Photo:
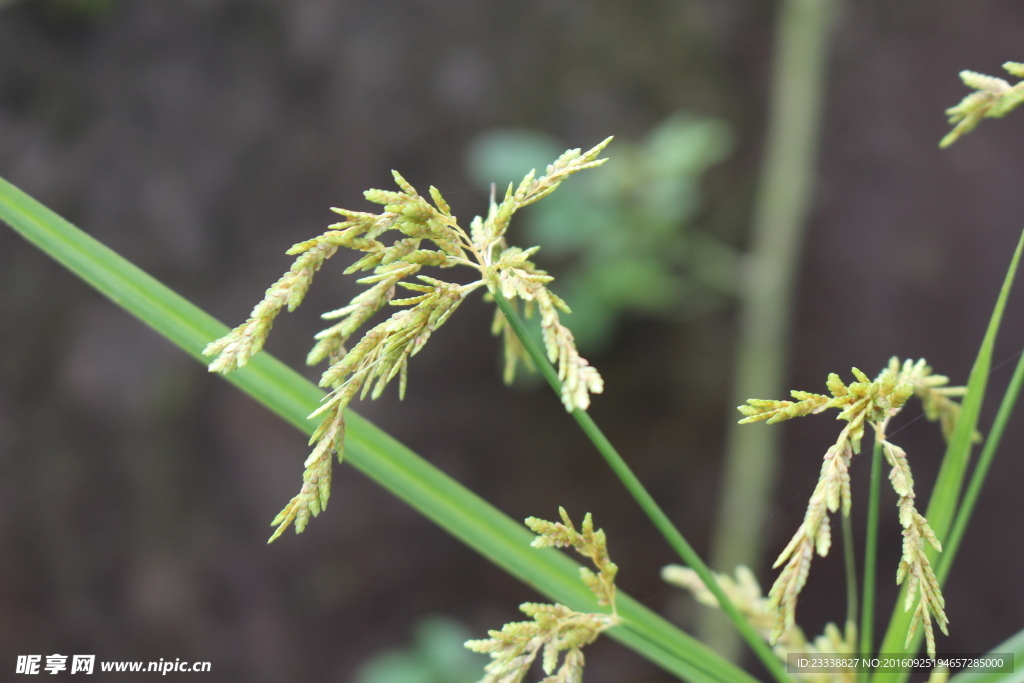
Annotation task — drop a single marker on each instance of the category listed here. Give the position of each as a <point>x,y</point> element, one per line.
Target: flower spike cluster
<point>863,402</point>
<point>745,592</point>
<point>428,235</point>
<point>993,98</point>
<point>555,628</point>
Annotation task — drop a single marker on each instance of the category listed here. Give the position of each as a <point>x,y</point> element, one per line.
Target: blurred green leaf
<point>623,237</point>
<point>437,655</point>
<point>1013,646</point>
<point>505,156</point>
<point>394,666</point>
<point>686,146</point>
<point>441,640</point>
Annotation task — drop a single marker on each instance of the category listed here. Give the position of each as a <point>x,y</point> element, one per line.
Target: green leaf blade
<point>1012,646</point>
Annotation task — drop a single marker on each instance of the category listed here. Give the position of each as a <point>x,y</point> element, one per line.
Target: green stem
<point>851,579</point>
<point>641,495</point>
<point>995,435</point>
<point>767,290</point>
<point>867,612</point>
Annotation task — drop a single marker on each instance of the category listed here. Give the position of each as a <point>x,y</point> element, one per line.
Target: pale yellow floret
<point>861,403</point>
<point>430,236</point>
<point>555,628</point>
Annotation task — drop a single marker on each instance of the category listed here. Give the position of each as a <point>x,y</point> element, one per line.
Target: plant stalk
<point>767,290</point>
<point>643,497</point>
<point>867,612</point>
<point>850,561</point>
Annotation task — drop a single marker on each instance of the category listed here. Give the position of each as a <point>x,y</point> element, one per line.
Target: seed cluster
<point>428,236</point>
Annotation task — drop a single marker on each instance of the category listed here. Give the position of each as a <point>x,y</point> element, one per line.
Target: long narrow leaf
<point>945,496</point>
<point>995,436</point>
<point>1013,646</point>
<point>376,454</point>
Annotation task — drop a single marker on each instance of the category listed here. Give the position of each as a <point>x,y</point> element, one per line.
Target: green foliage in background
<point>436,655</point>
<point>625,238</point>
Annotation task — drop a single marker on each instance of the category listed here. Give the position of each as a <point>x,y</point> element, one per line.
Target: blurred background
<point>202,139</point>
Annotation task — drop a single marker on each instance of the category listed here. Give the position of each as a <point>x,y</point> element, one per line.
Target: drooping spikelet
<point>555,628</point>
<point>863,402</point>
<point>428,236</point>
<point>993,98</point>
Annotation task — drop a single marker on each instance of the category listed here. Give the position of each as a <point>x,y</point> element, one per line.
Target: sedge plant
<point>862,404</point>
<point>874,403</point>
<point>432,237</point>
<point>368,449</point>
<point>384,351</point>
